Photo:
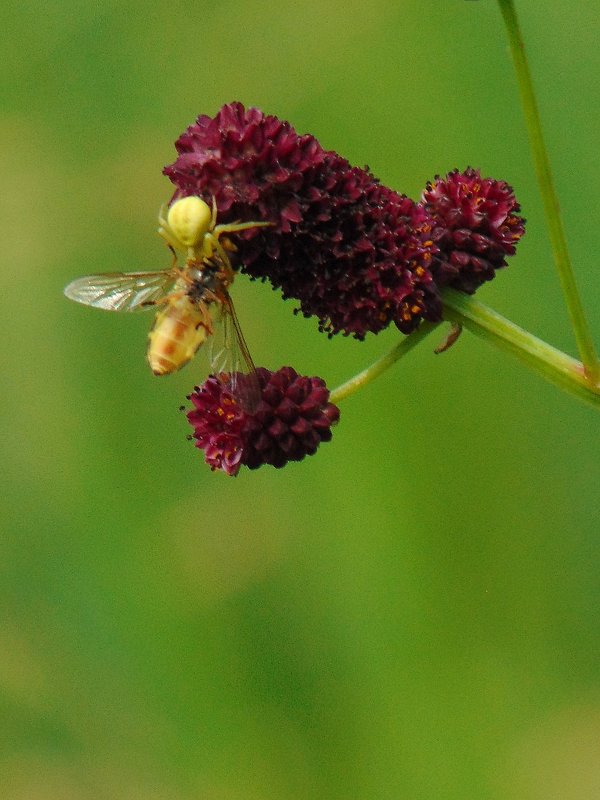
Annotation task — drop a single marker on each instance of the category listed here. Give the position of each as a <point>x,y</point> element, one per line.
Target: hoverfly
<point>193,300</point>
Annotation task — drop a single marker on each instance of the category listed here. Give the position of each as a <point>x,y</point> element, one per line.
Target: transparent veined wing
<point>229,355</point>
<point>122,291</point>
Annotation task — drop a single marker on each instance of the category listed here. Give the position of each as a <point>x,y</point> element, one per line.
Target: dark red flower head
<point>354,253</point>
<point>475,227</point>
<point>293,417</point>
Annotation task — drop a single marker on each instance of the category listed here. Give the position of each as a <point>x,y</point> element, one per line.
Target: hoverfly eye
<point>189,218</point>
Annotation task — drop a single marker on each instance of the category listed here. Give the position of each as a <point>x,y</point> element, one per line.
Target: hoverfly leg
<point>228,244</point>
<point>206,322</point>
<point>225,275</point>
<point>166,299</point>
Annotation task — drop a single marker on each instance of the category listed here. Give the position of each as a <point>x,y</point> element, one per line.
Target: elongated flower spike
<point>291,420</point>
<point>354,253</point>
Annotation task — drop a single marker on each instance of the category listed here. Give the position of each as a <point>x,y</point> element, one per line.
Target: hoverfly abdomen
<point>178,331</point>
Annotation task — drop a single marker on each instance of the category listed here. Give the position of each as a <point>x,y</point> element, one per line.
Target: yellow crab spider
<point>190,225</point>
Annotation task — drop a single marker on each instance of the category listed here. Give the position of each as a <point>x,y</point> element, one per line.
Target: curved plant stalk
<point>585,344</point>
<point>382,364</point>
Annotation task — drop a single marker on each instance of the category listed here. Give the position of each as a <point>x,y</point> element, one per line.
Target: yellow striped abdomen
<point>177,333</point>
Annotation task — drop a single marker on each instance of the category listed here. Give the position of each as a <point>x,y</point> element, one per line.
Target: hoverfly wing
<point>121,291</point>
<point>229,354</point>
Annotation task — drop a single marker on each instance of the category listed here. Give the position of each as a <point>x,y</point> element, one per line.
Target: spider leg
<point>167,234</point>
<point>238,226</point>
<point>212,296</point>
<point>212,244</point>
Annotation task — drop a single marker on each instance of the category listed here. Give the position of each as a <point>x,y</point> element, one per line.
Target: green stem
<point>385,362</point>
<point>552,364</point>
<point>585,344</point>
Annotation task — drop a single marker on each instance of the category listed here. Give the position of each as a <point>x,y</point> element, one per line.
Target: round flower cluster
<point>291,419</point>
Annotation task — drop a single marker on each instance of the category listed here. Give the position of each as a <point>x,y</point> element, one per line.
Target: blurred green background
<point>414,612</point>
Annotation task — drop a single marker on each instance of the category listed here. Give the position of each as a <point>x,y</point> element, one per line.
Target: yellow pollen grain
<point>428,243</point>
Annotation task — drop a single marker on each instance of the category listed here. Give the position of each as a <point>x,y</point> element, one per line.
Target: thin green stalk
<point>385,362</point>
<point>585,344</point>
